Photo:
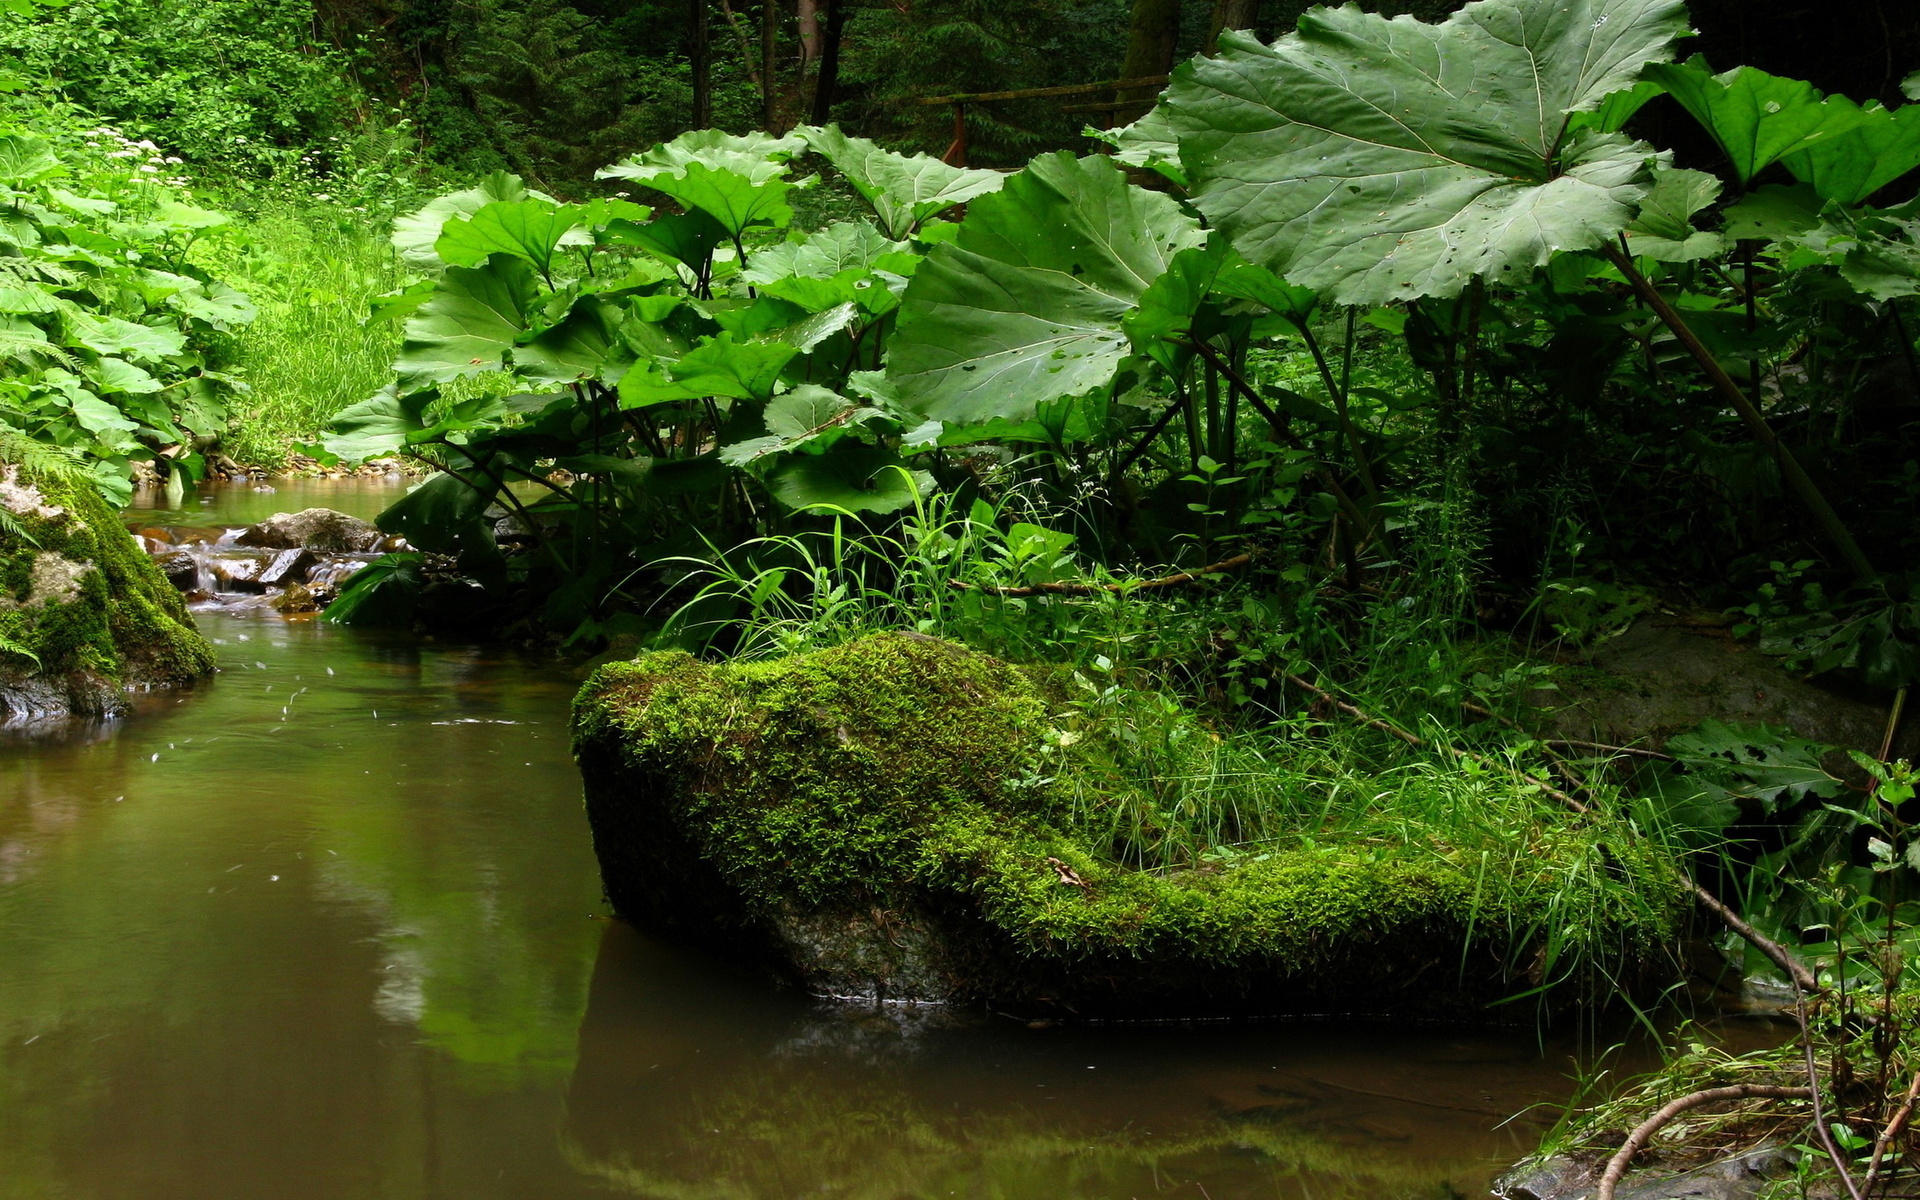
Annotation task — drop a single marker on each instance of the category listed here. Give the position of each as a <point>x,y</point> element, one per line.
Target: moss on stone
<point>873,818</point>
<point>84,614</point>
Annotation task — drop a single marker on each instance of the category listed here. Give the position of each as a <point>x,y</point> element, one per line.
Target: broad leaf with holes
<point>1026,304</point>
<point>1664,229</point>
<point>1384,160</point>
<point>904,191</point>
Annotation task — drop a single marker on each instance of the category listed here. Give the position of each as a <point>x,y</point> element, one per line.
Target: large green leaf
<point>687,238</point>
<point>1025,305</point>
<point>719,366</point>
<point>904,191</point>
<point>1385,159</point>
<point>846,246</point>
<point>470,323</point>
<point>27,159</point>
<point>585,344</point>
<point>1851,166</point>
<point>1757,118</point>
<point>126,339</point>
<point>1664,229</point>
<point>529,229</point>
<point>851,476</point>
<point>414,235</point>
<point>738,181</point>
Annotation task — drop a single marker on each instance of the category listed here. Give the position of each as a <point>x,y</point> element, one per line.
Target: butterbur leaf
<point>1756,117</point>
<point>378,425</point>
<point>846,246</point>
<point>414,235</point>
<point>756,156</point>
<point>1148,144</point>
<point>809,417</point>
<point>1767,765</point>
<point>1664,229</point>
<point>738,181</point>
<point>687,238</point>
<point>1850,166</point>
<point>472,320</point>
<point>1616,110</point>
<point>904,191</point>
<point>1774,213</point>
<point>25,159</point>
<point>718,366</point>
<point>1025,305</point>
<point>125,339</point>
<point>1383,160</point>
<point>585,344</point>
<point>216,303</point>
<point>851,476</point>
<point>529,229</point>
<point>114,375</point>
<point>1168,307</point>
<point>175,215</point>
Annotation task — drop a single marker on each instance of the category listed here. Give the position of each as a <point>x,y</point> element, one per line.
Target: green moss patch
<point>83,612</point>
<point>887,817</point>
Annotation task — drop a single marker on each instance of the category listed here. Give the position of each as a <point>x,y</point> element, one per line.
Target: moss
<point>888,794</point>
<point>81,607</point>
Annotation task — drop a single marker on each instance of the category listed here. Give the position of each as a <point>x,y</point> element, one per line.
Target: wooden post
<point>956,155</point>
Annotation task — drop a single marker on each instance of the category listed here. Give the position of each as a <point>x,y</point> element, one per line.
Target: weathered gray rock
<point>317,529</point>
<point>288,566</point>
<point>1664,675</point>
<point>1574,1178</point>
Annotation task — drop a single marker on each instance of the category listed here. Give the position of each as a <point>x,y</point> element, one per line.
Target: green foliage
<point>111,331</point>
<point>1380,160</point>
<point>237,85</point>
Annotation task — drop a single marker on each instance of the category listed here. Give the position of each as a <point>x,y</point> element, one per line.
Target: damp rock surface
<point>885,819</point>
<point>317,529</point>
<point>85,615</point>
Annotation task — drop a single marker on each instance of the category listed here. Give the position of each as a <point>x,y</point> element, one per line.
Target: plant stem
<point>1796,476</point>
<point>1643,1132</point>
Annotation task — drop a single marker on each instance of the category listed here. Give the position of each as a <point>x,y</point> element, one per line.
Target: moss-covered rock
<point>84,615</point>
<point>874,820</point>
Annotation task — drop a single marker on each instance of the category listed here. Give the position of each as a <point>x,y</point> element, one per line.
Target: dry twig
<point>1643,1132</point>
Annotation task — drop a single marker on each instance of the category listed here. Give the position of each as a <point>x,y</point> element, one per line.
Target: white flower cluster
<point>143,156</point>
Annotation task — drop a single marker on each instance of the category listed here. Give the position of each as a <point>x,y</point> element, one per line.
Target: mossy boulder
<point>882,819</point>
<point>85,616</point>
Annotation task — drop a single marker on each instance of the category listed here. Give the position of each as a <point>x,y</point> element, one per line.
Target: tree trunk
<point>769,68</point>
<point>808,12</point>
<point>829,81</point>
<point>1231,14</point>
<point>1152,40</point>
<point>700,54</point>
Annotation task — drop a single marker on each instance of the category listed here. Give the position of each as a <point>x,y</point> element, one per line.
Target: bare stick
<point>1094,589</point>
<point>1892,1131</point>
<point>1603,748</point>
<point>1642,1133</point>
<point>1781,956</point>
<point>1813,1081</point>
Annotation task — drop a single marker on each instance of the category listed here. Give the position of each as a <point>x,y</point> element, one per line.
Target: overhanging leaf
<point>529,229</point>
<point>851,476</point>
<point>1025,305</point>
<point>414,235</point>
<point>1382,160</point>
<point>904,191</point>
<point>1756,117</point>
<point>1664,229</point>
<point>470,323</point>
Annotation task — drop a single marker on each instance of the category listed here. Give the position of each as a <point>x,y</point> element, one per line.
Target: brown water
<point>330,927</point>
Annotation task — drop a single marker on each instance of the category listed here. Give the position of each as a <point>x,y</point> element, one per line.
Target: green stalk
<point>1790,468</point>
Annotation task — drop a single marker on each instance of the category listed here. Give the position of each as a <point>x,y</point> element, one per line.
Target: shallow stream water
<point>329,926</point>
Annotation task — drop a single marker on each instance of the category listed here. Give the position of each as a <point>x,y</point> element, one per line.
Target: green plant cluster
<point>111,333</point>
<point>901,772</point>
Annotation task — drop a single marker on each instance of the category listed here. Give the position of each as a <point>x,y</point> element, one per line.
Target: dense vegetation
<point>1304,425</point>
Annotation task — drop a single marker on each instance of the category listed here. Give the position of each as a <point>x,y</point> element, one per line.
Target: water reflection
<point>329,927</point>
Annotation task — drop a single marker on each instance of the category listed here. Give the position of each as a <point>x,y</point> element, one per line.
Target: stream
<point>329,926</point>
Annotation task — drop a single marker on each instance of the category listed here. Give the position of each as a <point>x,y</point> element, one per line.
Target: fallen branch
<point>1094,589</point>
<point>1780,955</point>
<point>1603,748</point>
<point>1887,1135</point>
<point>1813,1089</point>
<point>1642,1133</point>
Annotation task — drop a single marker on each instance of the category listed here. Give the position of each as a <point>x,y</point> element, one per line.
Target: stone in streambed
<point>318,529</point>
<point>288,566</point>
<point>890,818</point>
<point>85,616</point>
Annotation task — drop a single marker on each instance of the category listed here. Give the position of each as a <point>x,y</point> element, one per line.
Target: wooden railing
<point>957,152</point>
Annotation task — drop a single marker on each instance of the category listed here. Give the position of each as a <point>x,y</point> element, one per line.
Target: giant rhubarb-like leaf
<point>1385,159</point>
<point>1025,305</point>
